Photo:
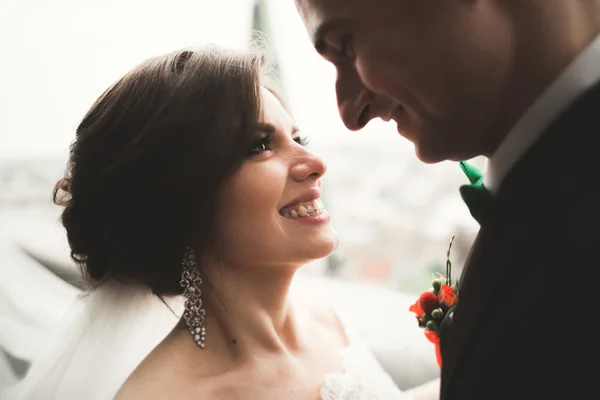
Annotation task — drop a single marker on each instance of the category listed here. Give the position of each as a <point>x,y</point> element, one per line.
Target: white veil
<point>107,334</point>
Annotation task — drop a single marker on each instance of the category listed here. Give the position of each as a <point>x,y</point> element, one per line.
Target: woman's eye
<point>302,141</point>
<point>262,145</point>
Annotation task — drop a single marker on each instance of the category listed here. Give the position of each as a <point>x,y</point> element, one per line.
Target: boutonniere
<point>431,306</point>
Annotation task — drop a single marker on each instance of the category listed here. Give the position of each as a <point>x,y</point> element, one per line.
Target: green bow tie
<point>475,195</point>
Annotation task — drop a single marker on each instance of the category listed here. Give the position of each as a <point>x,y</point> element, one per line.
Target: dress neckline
<point>362,377</point>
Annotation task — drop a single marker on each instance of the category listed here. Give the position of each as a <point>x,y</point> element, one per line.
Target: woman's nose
<point>308,166</point>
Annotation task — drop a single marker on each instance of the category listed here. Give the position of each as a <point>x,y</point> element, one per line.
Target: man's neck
<point>550,35</point>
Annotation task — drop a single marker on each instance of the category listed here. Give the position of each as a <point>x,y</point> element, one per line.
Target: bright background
<point>394,214</point>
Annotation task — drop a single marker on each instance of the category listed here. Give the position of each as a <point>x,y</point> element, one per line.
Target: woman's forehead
<point>273,112</point>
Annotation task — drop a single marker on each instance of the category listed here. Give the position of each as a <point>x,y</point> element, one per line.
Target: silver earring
<point>191,283</point>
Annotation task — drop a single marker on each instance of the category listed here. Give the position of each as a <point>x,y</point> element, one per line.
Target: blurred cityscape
<point>395,215</point>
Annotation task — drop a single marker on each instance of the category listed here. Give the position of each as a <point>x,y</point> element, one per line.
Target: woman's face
<point>270,212</point>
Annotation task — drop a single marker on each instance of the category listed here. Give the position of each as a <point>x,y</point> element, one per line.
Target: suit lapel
<point>535,184</point>
<point>488,269</point>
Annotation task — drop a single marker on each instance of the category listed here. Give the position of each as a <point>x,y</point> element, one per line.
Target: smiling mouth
<point>397,113</point>
<point>301,210</point>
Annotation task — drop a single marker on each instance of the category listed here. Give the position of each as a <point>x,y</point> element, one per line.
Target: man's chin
<point>428,155</point>
<point>433,157</point>
<point>424,151</point>
<point>431,151</point>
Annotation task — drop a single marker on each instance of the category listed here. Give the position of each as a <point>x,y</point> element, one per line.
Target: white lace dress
<point>363,377</point>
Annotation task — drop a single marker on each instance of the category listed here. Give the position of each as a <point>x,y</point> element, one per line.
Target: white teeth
<point>315,208</point>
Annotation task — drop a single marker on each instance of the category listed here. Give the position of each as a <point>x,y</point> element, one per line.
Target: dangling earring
<point>191,283</point>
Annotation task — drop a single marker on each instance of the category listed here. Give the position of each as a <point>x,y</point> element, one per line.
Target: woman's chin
<point>322,246</point>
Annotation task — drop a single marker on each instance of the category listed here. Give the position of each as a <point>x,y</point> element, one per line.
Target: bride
<point>190,202</point>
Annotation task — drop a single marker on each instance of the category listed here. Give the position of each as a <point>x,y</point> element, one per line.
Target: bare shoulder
<point>163,375</point>
<point>142,386</point>
<point>152,386</point>
<point>321,310</point>
<point>325,313</point>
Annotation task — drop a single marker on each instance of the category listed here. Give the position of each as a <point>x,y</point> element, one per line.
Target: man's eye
<point>346,49</point>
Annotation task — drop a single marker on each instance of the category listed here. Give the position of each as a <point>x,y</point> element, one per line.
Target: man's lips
<point>397,113</point>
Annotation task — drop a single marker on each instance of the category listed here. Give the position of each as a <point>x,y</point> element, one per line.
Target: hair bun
<point>62,192</point>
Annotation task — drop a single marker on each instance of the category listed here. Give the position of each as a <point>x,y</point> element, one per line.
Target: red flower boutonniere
<point>432,306</point>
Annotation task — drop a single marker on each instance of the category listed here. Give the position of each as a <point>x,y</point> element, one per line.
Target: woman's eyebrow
<point>271,129</point>
<point>265,128</point>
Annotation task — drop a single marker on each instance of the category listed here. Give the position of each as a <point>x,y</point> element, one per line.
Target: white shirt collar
<point>580,75</point>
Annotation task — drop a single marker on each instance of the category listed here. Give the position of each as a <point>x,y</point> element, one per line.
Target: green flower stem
<point>449,264</point>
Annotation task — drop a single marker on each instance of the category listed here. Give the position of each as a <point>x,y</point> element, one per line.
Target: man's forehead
<point>313,12</point>
<point>318,14</point>
<point>306,5</point>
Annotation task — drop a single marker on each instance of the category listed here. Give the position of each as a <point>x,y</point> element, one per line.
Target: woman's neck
<point>248,311</point>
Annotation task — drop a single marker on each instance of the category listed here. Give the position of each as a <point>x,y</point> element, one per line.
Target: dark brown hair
<point>148,160</point>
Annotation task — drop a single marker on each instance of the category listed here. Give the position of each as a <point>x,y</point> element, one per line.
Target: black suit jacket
<point>526,325</point>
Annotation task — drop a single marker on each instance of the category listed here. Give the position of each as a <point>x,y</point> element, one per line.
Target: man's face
<point>436,68</point>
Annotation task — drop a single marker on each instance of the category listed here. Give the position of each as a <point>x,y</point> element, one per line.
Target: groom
<point>517,81</point>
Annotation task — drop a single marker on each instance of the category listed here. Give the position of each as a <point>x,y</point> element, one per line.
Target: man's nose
<point>358,105</point>
<point>354,102</point>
